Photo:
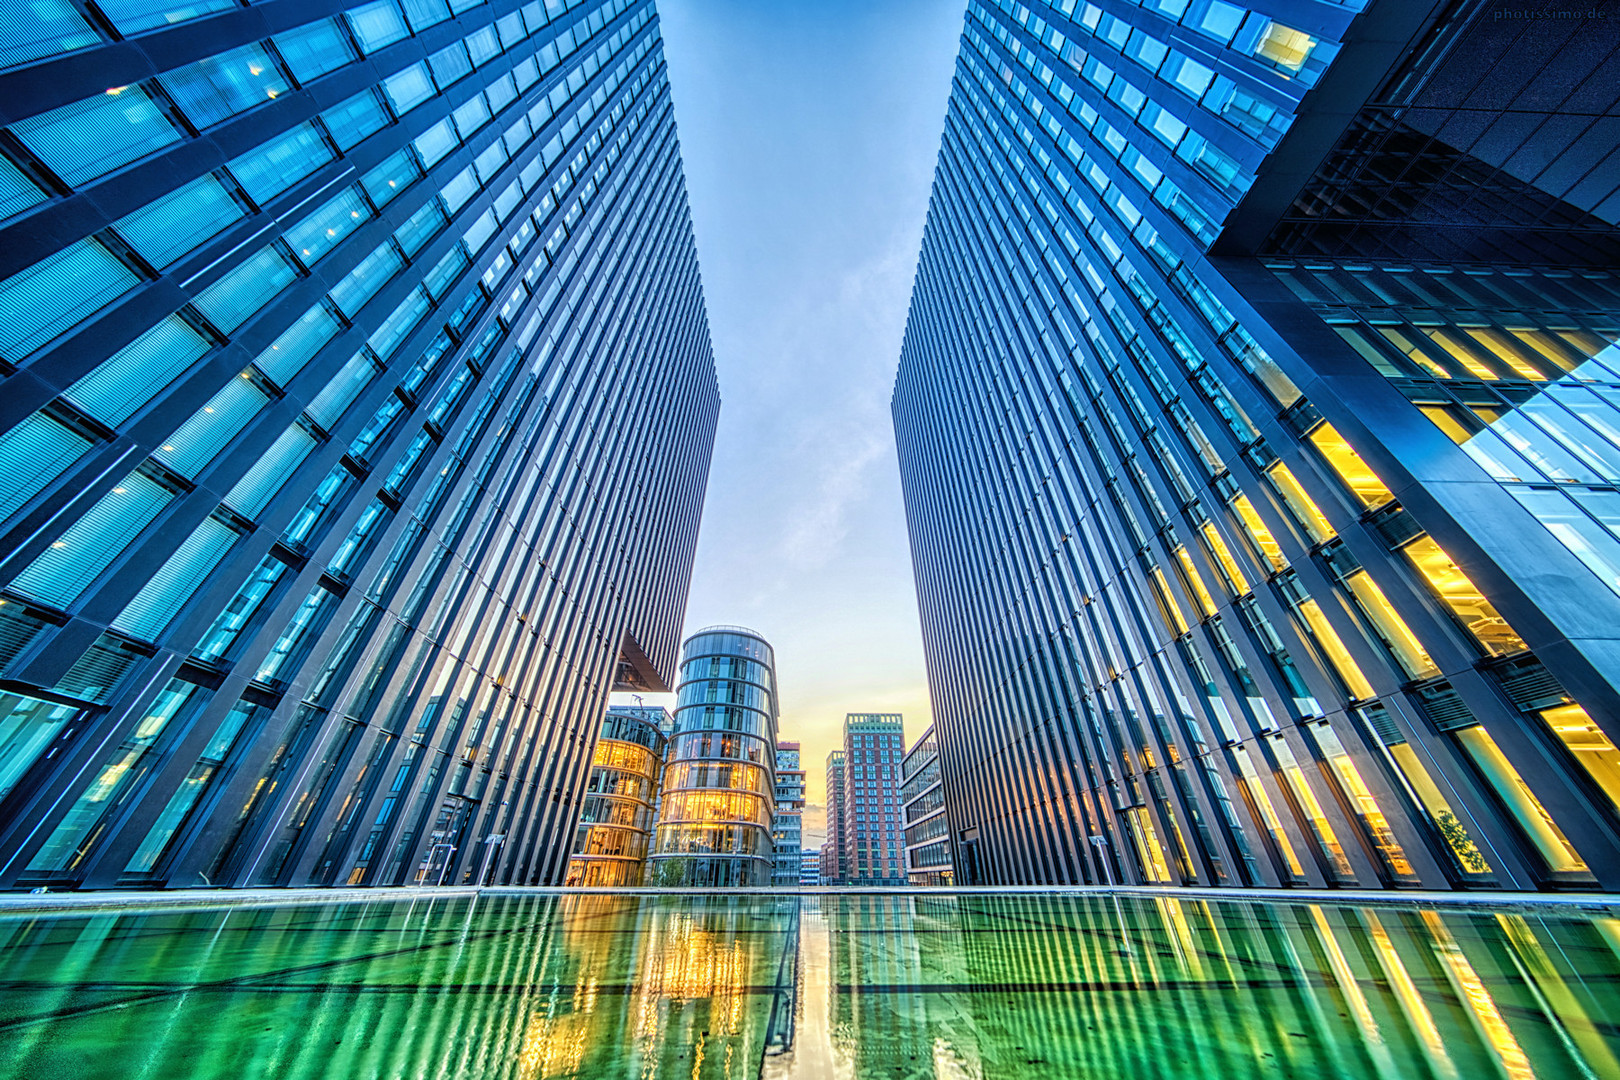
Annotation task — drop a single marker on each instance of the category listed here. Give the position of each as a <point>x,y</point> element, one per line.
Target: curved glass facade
<point>714,828</point>
<point>616,819</point>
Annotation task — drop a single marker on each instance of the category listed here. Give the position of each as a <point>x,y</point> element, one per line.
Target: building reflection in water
<point>1013,986</point>
<point>943,986</point>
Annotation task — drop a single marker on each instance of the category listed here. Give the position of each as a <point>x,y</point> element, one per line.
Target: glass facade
<point>787,831</point>
<point>715,820</point>
<point>871,831</point>
<point>359,406</point>
<point>834,858</point>
<point>1255,432</point>
<point>616,817</point>
<point>928,834</point>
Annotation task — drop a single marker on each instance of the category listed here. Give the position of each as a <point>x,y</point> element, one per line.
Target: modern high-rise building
<point>787,830</point>
<point>358,406</point>
<point>922,798</point>
<point>874,744</point>
<point>714,825</point>
<point>810,867</point>
<point>1258,427</point>
<point>617,814</point>
<point>834,863</point>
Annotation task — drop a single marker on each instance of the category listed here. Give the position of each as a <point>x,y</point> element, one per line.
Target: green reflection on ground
<point>983,986</point>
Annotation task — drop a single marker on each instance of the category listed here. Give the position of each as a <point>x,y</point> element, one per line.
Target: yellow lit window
<point>1408,650</point>
<point>1315,817</point>
<point>1452,586</point>
<point>1510,352</point>
<point>1228,566</point>
<point>1355,473</point>
<point>1249,778</point>
<point>1445,418</point>
<point>1591,747</point>
<point>1365,807</point>
<point>1286,47</point>
<point>1537,824</point>
<point>1452,831</point>
<point>1167,601</point>
<point>1414,352</point>
<point>1259,536</point>
<point>1300,504</point>
<point>1195,582</point>
<point>1147,844</point>
<point>1333,646</point>
<point>1460,352</point>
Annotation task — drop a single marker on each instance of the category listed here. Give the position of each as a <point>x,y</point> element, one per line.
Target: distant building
<point>714,827</point>
<point>810,867</point>
<point>873,748</point>
<point>833,861</point>
<point>787,832</point>
<point>928,835</point>
<point>616,817</point>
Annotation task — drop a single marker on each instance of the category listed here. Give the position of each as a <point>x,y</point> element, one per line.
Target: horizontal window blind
<point>167,228</point>
<point>131,16</point>
<point>326,226</point>
<point>17,192</point>
<point>313,50</point>
<point>56,293</point>
<point>132,376</point>
<point>32,454</point>
<point>274,167</point>
<point>340,393</point>
<point>42,28</point>
<point>234,298</point>
<point>288,354</point>
<point>260,483</point>
<point>93,137</point>
<point>177,580</point>
<point>218,87</point>
<point>362,283</point>
<point>200,438</point>
<point>65,569</point>
<point>404,319</point>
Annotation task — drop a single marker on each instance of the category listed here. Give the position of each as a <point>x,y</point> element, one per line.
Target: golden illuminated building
<point>616,819</point>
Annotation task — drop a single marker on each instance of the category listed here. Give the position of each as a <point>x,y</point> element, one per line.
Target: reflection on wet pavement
<point>965,985</point>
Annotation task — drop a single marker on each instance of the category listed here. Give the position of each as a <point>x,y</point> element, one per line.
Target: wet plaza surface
<point>897,986</point>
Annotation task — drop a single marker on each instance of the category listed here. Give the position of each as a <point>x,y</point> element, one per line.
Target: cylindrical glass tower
<point>714,828</point>
<point>616,820</point>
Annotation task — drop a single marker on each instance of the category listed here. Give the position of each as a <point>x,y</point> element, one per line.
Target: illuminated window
<point>1591,747</point>
<point>1147,844</point>
<point>1249,781</point>
<point>1365,807</point>
<point>1469,859</point>
<point>1330,643</point>
<point>1224,561</point>
<point>1289,49</point>
<point>1301,505</point>
<point>1390,627</point>
<point>1338,866</point>
<point>1452,586</point>
<point>1195,583</point>
<point>1167,601</point>
<point>1260,539</point>
<point>1538,825</point>
<point>1355,473</point>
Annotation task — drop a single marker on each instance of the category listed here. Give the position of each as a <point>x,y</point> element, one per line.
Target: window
<point>1260,539</point>
<point>1327,638</point>
<point>236,297</point>
<point>151,610</point>
<point>91,138</point>
<point>1537,825</point>
<point>311,51</point>
<point>1335,863</point>
<point>362,283</point>
<point>1356,474</point>
<point>78,556</point>
<point>288,354</point>
<point>420,228</point>
<point>437,141</point>
<point>352,120</point>
<point>408,89</point>
<point>1390,627</point>
<point>295,641</point>
<point>450,64</point>
<point>394,175</point>
<point>1477,614</point>
<point>1284,47</point>
<point>1301,505</point>
<point>167,228</point>
<point>56,293</point>
<point>27,727</point>
<point>132,376</point>
<point>261,482</point>
<point>32,455</point>
<point>274,167</point>
<point>326,227</point>
<point>400,323</point>
<point>205,434</point>
<point>44,28</point>
<point>378,24</point>
<point>241,611</point>
<point>327,496</point>
<point>133,16</point>
<point>340,393</point>
<point>219,87</point>
<point>1585,538</point>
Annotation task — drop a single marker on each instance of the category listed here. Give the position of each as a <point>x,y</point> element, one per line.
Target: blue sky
<point>809,132</point>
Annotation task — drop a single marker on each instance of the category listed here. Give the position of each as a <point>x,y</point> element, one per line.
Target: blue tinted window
<point>93,137</point>
<point>311,51</point>
<point>17,192</point>
<point>274,167</point>
<point>409,88</point>
<point>234,298</point>
<point>221,86</point>
<point>65,569</point>
<point>361,284</point>
<point>204,435</point>
<point>437,141</point>
<point>450,64</point>
<point>56,293</point>
<point>133,16</point>
<point>132,376</point>
<point>376,25</point>
<point>424,13</point>
<point>33,454</point>
<point>324,229</point>
<point>288,354</point>
<point>393,176</point>
<point>352,120</point>
<point>43,28</point>
<point>165,229</point>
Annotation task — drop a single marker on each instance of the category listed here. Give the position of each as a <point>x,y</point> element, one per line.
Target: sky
<point>809,130</point>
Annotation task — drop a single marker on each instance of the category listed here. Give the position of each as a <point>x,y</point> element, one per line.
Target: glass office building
<point>787,830</point>
<point>1257,420</point>
<point>714,825</point>
<point>358,406</point>
<point>922,798</point>
<point>616,816</point>
<point>872,837</point>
